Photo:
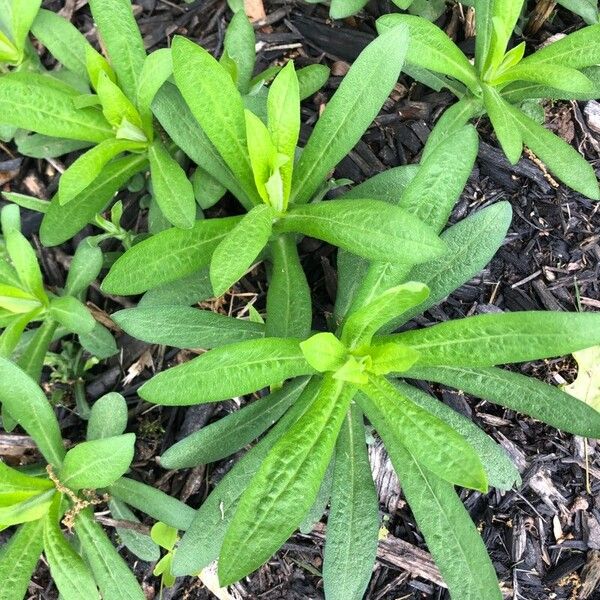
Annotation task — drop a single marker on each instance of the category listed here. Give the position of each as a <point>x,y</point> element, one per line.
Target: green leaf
<point>185,327</point>
<point>228,371</point>
<point>353,522</point>
<point>433,443</point>
<point>153,502</point>
<point>369,228</point>
<point>577,50</point>
<point>472,243</point>
<point>138,543</point>
<point>84,268</point>
<point>281,493</point>
<point>505,127</point>
<point>324,352</point>
<point>231,433</point>
<point>72,314</point>
<point>191,289</point>
<point>33,102</point>
<point>504,17</point>
<point>172,189</point>
<point>63,222</point>
<point>115,105</point>
<point>24,260</point>
<point>18,559</point>
<point>340,9</point>
<point>561,158</point>
<point>217,106</point>
<point>17,301</point>
<point>164,535</point>
<point>30,509</point>
<point>429,47</point>
<point>72,576</point>
<point>16,486</point>
<point>494,339</point>
<point>454,119</point>
<point>283,110</point>
<point>451,536</point>
<point>441,177</point>
<point>23,15</point>
<point>499,468</point>
<point>362,324</point>
<point>12,333</point>
<point>311,79</point>
<point>207,190</point>
<point>239,248</point>
<point>239,46</point>
<point>350,111</point>
<point>84,171</point>
<point>176,118</point>
<point>26,403</point>
<point>62,39</point>
<point>586,9</point>
<point>108,417</point>
<point>111,572</point>
<point>32,359</point>
<point>167,256</point>
<point>557,76</point>
<point>202,541</point>
<point>97,463</point>
<point>391,358</point>
<point>96,64</point>
<point>518,392</point>
<point>99,342</point>
<point>122,39</point>
<point>157,68</point>
<point>483,28</point>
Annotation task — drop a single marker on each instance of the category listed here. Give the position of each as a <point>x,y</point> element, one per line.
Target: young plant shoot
<point>502,79</point>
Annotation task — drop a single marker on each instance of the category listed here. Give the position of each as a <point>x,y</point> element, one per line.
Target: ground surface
<point>545,537</point>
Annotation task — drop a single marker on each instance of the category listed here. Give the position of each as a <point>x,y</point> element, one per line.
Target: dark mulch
<point>544,537</point>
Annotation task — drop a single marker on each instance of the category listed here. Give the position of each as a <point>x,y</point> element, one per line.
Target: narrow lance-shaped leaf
<point>19,557</point>
<point>108,417</point>
<point>231,433</point>
<point>505,128</point>
<point>64,41</point>
<point>499,468</point>
<point>122,39</point>
<point>239,248</point>
<point>202,541</point>
<point>450,534</point>
<point>283,110</point>
<point>239,46</point>
<point>350,111</point>
<point>289,307</point>
<point>433,443</point>
<point>185,327</point>
<point>370,228</point>
<point>286,484</point>
<point>72,314</point>
<point>26,402</point>
<point>494,339</point>
<point>431,48</point>
<point>353,522</point>
<point>172,189</point>
<point>157,68</point>
<point>71,575</point>
<point>111,572</point>
<point>217,106</point>
<point>167,256</point>
<point>228,371</point>
<point>518,392</point>
<point>362,324</point>
<point>88,166</point>
<point>153,502</point>
<point>32,102</point>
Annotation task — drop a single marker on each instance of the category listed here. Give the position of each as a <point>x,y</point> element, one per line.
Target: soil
<point>544,538</point>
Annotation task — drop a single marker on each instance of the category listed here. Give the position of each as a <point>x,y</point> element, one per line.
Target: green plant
<point>38,500</point>
<point>16,18</point>
<point>501,80</point>
<point>335,379</point>
<point>586,9</point>
<point>256,161</point>
<point>25,300</point>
